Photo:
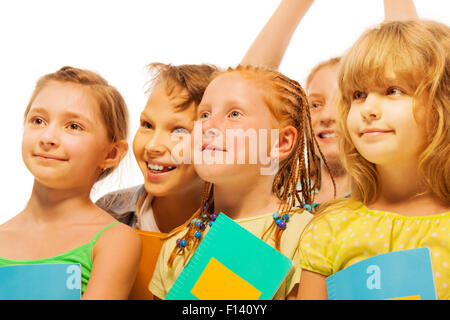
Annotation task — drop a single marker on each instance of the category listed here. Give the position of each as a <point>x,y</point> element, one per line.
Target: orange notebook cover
<point>151,246</point>
<point>152,243</point>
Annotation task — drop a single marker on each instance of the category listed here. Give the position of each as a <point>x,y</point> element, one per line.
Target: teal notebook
<point>59,281</point>
<point>231,264</point>
<point>399,275</point>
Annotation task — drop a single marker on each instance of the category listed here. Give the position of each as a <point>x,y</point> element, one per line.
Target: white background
<point>118,38</point>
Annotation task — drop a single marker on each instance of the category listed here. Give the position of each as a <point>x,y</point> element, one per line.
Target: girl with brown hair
<point>75,130</point>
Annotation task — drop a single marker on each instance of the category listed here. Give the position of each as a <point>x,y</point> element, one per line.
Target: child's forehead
<point>170,112</point>
<point>68,97</point>
<point>381,77</point>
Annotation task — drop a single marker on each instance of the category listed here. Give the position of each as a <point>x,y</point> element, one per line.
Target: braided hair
<point>288,104</point>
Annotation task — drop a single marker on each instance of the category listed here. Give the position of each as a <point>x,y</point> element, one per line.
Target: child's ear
<point>116,153</point>
<point>286,142</point>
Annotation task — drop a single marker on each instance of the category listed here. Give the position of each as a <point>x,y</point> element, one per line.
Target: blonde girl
<point>75,131</point>
<point>249,98</point>
<point>394,116</point>
<point>321,85</point>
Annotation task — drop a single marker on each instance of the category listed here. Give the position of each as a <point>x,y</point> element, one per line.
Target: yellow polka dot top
<point>339,239</point>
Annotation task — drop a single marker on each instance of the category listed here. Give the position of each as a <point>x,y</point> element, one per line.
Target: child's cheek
<point>352,123</point>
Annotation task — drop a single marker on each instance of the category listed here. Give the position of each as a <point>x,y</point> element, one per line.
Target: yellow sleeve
<point>294,276</point>
<point>316,247</point>
<point>156,285</point>
<point>164,276</point>
<point>290,247</point>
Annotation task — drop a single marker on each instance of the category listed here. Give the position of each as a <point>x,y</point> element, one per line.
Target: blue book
<point>398,275</point>
<point>231,264</point>
<point>59,281</point>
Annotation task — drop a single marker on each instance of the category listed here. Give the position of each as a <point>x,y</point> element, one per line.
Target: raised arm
<point>270,45</point>
<point>399,10</point>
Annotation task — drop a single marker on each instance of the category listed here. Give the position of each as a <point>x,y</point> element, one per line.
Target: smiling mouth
<point>212,148</point>
<point>327,135</point>
<point>157,168</point>
<point>48,157</point>
<point>374,133</point>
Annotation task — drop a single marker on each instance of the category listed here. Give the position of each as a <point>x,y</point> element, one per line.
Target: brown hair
<point>190,78</point>
<point>111,104</point>
<point>287,102</point>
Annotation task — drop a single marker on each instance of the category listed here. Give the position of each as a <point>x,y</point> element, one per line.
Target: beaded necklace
<point>200,224</point>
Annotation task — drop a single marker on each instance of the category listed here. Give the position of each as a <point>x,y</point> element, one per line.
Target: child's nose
<point>49,137</point>
<point>157,144</point>
<point>328,116</point>
<point>371,108</point>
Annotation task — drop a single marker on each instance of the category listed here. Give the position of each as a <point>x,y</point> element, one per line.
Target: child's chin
<point>157,190</point>
<point>215,173</point>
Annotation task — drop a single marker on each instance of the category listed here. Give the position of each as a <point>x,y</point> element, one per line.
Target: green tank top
<point>81,255</point>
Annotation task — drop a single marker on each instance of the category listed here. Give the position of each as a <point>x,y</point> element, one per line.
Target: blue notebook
<point>231,264</point>
<point>41,282</point>
<point>399,275</point>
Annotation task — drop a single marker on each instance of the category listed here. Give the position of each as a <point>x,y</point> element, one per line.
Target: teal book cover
<point>231,264</point>
<point>398,275</point>
<point>59,281</point>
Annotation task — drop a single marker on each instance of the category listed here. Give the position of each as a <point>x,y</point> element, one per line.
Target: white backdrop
<point>118,38</point>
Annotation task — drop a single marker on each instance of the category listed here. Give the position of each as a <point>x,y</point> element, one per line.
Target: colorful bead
<point>198,235</point>
<point>307,207</point>
<point>282,225</point>
<point>278,221</point>
<point>211,223</point>
<point>275,215</point>
<point>315,204</point>
<point>182,243</point>
<point>213,217</point>
<point>285,217</point>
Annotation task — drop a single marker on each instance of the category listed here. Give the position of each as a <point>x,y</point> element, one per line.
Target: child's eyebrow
<point>144,115</point>
<point>204,105</point>
<point>73,115</point>
<point>38,110</point>
<point>314,95</point>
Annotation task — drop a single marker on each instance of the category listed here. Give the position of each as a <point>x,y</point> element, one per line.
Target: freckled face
<point>232,104</point>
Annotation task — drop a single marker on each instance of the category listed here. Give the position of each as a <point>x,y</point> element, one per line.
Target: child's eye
<point>75,126</point>
<point>315,105</point>
<point>358,95</point>
<point>204,115</point>
<point>235,114</point>
<point>37,121</point>
<point>394,91</point>
<point>181,130</point>
<point>145,124</point>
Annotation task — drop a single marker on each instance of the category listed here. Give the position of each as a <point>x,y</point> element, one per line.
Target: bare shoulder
<point>119,233</point>
<point>12,229</point>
